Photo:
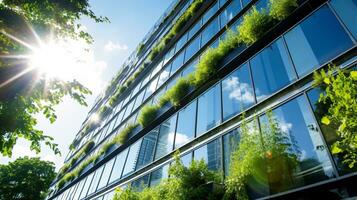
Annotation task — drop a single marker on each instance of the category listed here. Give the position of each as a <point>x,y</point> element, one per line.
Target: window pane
<point>140,183</point>
<point>146,153</point>
<point>139,99</point>
<point>230,143</point>
<point>230,12</point>
<point>166,137</point>
<point>316,40</point>
<point>271,70</point>
<point>181,42</point>
<point>165,74</point>
<point>106,174</point>
<point>93,186</point>
<point>329,131</point>
<point>186,159</point>
<point>79,189</point>
<point>211,154</point>
<point>169,55</point>
<point>128,110</point>
<point>190,68</point>
<point>192,48</point>
<point>210,13</point>
<point>118,166</point>
<point>151,88</point>
<point>131,160</point>
<point>210,31</point>
<point>185,125</point>
<point>237,92</point>
<point>209,110</point>
<point>86,185</point>
<point>302,159</point>
<point>194,29</point>
<point>347,10</point>
<point>159,174</point>
<point>177,63</point>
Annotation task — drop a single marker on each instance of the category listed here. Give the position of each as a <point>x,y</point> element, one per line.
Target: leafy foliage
<point>340,97</point>
<point>18,106</point>
<point>280,9</point>
<point>177,92</point>
<point>148,114</point>
<point>124,134</point>
<point>26,179</point>
<point>253,160</point>
<point>184,183</point>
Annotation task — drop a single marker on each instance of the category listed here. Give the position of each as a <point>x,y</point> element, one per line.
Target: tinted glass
<point>186,159</point>
<point>140,183</point>
<point>316,40</point>
<point>271,70</point>
<point>192,48</point>
<point>146,153</point>
<point>139,99</point>
<point>302,157</point>
<point>185,125</point>
<point>237,92</point>
<point>329,131</point>
<point>189,68</point>
<point>128,110</point>
<point>118,166</point>
<point>194,29</point>
<point>181,42</point>
<point>169,55</point>
<point>347,11</point>
<point>209,110</point>
<point>158,175</point>
<point>177,63</point>
<point>166,137</point>
<point>232,9</point>
<point>86,185</point>
<point>96,178</point>
<point>210,13</point>
<point>211,154</point>
<point>131,160</point>
<point>210,31</point>
<point>151,88</point>
<point>230,143</point>
<point>106,174</point>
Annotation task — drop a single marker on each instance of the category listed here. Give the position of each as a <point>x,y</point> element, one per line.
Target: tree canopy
<point>24,92</point>
<point>26,179</point>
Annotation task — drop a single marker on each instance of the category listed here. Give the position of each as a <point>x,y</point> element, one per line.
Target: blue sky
<point>114,42</point>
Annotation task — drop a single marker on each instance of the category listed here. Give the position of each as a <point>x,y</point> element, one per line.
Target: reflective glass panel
<point>271,70</point>
<point>106,174</point>
<point>211,30</point>
<point>209,110</point>
<point>192,48</point>
<point>166,137</point>
<point>94,184</point>
<point>237,92</point>
<point>140,183</point>
<point>132,157</point>
<point>146,153</point>
<point>211,154</point>
<point>316,40</point>
<point>86,185</point>
<point>159,174</point>
<point>118,166</point>
<point>347,10</point>
<point>230,143</point>
<point>177,63</point>
<point>186,125</point>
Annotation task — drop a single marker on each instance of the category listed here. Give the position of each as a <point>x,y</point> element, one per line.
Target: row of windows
<point>169,69</point>
<point>250,83</point>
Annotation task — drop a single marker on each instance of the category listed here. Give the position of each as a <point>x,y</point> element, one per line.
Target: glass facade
<point>276,77</point>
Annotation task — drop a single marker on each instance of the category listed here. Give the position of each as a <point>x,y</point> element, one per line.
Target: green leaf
<point>335,149</point>
<point>327,81</point>
<point>354,75</point>
<point>325,120</point>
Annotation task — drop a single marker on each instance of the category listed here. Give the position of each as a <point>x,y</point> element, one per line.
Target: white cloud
<point>111,46</point>
<point>239,91</point>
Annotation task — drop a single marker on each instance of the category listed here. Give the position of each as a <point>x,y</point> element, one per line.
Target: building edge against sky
<point>273,73</point>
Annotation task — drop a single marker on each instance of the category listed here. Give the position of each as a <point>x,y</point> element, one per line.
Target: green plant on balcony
<point>122,137</point>
<point>147,114</point>
<point>140,48</point>
<point>281,9</point>
<point>177,92</point>
<point>339,102</point>
<point>183,183</point>
<point>261,158</point>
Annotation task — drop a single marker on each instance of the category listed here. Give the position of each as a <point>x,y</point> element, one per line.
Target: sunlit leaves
<point>340,97</point>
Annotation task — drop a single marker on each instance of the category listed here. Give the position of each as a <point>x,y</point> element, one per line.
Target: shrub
<point>337,110</point>
<point>254,25</point>
<point>280,9</point>
<point>124,134</point>
<point>148,114</point>
<point>183,183</point>
<point>177,92</point>
<point>140,48</point>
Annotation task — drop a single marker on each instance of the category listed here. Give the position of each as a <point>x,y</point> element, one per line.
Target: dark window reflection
<point>140,183</point>
<point>232,9</point>
<point>192,48</point>
<point>210,31</point>
<point>296,156</point>
<point>146,153</point>
<point>210,13</point>
<point>186,125</point>
<point>347,11</point>
<point>316,40</point>
<point>159,174</point>
<point>271,70</point>
<point>211,154</point>
<point>166,137</point>
<point>237,92</point>
<point>186,159</point>
<point>177,63</point>
<point>209,110</point>
<point>230,144</point>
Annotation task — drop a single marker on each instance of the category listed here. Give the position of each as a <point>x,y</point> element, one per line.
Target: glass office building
<point>274,73</point>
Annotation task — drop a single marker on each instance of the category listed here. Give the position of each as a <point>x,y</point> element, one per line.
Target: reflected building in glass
<point>274,74</point>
